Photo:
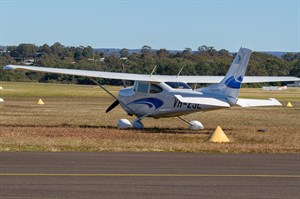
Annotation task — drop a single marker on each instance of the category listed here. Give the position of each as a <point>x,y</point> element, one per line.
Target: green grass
<point>74,119</point>
<point>25,89</point>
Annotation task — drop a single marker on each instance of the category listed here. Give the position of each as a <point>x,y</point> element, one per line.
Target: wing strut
<point>184,120</point>
<point>153,70</point>
<point>117,99</point>
<point>180,71</point>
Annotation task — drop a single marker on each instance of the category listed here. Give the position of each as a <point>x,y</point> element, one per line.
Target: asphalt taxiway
<point>148,175</point>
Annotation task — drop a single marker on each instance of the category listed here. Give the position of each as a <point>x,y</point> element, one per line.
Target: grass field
<point>74,119</point>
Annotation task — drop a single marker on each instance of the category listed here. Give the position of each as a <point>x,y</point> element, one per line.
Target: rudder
<point>230,86</point>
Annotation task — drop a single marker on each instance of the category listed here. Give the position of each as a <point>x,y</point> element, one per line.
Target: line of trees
<point>206,61</point>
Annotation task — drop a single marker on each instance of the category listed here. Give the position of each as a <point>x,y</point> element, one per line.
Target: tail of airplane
<point>230,86</point>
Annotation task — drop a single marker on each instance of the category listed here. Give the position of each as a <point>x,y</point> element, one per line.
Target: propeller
<point>112,106</point>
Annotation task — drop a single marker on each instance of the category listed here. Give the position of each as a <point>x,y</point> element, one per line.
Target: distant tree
<point>187,51</point>
<point>50,61</point>
<point>134,57</point>
<point>87,52</point>
<point>288,56</point>
<point>162,53</point>
<point>78,53</point>
<point>45,49</point>
<point>296,69</point>
<point>68,54</point>
<point>223,52</point>
<point>82,52</point>
<point>24,51</point>
<point>203,68</point>
<point>212,51</point>
<point>124,52</point>
<point>13,52</point>
<point>9,49</point>
<point>202,49</point>
<point>146,51</point>
<point>6,59</point>
<point>58,49</point>
<point>98,55</point>
<point>208,50</point>
<point>113,63</point>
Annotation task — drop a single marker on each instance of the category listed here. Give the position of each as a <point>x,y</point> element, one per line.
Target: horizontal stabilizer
<point>203,101</point>
<point>257,102</point>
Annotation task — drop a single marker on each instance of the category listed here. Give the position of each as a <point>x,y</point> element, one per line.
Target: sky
<point>261,25</point>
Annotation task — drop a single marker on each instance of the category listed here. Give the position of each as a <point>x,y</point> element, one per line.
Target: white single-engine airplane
<point>160,96</point>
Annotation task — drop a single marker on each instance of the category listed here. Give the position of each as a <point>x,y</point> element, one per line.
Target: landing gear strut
<point>137,124</point>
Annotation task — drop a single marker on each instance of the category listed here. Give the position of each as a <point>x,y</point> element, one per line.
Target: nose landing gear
<point>136,124</point>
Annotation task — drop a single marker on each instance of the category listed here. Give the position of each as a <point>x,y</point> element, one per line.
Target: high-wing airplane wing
<point>146,77</point>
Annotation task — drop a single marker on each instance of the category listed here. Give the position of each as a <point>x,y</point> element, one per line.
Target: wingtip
<point>8,67</point>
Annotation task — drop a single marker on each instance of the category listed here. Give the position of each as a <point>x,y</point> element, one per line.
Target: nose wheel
<point>124,124</point>
<point>136,124</point>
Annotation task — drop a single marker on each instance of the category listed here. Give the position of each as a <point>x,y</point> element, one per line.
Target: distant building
<point>28,62</point>
<point>2,50</point>
<point>295,84</point>
<point>274,88</point>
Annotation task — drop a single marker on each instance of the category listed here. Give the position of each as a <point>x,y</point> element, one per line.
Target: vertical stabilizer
<point>230,86</point>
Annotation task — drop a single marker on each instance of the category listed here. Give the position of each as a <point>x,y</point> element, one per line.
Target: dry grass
<point>74,119</point>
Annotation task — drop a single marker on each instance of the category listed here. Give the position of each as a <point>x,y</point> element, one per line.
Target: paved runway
<point>148,175</point>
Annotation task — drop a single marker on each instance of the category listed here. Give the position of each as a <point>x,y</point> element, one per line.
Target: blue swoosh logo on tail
<point>231,82</point>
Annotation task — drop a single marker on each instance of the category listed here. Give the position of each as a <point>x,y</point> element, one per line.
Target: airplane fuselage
<point>158,99</point>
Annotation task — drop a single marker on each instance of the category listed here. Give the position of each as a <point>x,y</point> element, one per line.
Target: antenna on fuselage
<point>153,70</point>
<point>180,71</point>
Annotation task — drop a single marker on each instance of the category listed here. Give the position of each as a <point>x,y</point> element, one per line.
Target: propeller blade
<point>112,106</point>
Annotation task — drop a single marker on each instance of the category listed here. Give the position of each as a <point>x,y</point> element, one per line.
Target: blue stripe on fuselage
<point>150,102</point>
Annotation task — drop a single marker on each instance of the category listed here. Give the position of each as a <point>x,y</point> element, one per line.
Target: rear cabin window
<point>178,85</point>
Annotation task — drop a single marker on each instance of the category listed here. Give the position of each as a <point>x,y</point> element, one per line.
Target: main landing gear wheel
<point>125,124</point>
<point>193,125</point>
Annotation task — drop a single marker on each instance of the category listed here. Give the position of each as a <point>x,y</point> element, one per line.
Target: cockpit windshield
<point>178,85</point>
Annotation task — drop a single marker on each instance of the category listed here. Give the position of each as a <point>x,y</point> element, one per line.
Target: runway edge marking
<point>147,175</point>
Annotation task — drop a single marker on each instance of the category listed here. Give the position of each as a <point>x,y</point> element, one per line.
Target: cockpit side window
<point>155,89</point>
<point>142,87</point>
<point>178,85</point>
